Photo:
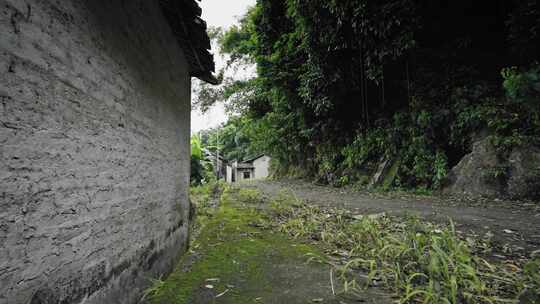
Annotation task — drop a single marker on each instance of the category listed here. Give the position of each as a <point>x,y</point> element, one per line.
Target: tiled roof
<point>244,166</point>
<point>250,160</point>
<point>184,17</point>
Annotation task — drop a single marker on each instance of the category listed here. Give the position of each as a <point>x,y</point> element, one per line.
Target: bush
<point>523,86</point>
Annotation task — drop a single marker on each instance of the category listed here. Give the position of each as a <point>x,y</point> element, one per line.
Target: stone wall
<point>94,150</point>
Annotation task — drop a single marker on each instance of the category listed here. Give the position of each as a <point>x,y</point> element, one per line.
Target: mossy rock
<point>391,175</point>
<point>524,173</point>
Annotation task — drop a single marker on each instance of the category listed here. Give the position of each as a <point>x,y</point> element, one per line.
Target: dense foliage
<point>201,167</point>
<point>342,85</point>
<point>233,139</point>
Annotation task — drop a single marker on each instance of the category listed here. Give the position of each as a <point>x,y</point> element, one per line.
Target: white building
<point>253,168</point>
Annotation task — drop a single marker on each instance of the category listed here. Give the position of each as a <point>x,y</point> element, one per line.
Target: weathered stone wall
<point>94,150</point>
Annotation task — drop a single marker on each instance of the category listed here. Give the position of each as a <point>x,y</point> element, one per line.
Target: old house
<point>254,168</point>
<point>94,145</point>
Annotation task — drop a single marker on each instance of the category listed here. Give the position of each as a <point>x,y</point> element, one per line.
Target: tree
<point>341,83</point>
<point>201,168</point>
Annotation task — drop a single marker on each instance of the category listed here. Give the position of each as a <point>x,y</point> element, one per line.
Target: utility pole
<point>217,154</point>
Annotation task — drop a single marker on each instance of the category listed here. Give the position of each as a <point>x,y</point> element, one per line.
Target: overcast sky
<point>223,13</point>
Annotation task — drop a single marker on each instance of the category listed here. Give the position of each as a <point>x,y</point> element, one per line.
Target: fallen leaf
<point>377,216</point>
<point>219,295</point>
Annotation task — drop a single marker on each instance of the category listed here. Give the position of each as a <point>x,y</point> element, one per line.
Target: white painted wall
<point>262,167</point>
<point>228,177</point>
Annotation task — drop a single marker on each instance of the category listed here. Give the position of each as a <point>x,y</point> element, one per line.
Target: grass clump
<point>420,261</point>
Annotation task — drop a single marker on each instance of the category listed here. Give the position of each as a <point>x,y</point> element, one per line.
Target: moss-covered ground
<point>233,260</point>
<point>252,249</point>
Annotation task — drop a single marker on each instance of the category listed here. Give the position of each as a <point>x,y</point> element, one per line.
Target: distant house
<point>253,168</point>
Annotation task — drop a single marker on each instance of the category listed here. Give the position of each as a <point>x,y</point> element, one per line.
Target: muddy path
<point>514,227</point>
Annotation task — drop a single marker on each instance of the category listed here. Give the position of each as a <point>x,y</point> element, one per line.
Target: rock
<point>474,176</point>
<point>484,173</point>
<point>378,176</point>
<point>385,174</point>
<point>524,173</point>
<point>374,216</point>
<point>390,176</point>
<point>377,216</point>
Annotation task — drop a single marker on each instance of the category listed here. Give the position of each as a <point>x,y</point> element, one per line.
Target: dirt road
<point>515,226</point>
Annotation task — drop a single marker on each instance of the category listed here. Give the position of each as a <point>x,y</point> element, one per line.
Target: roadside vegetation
<point>420,261</point>
<point>414,260</point>
<point>343,85</point>
<point>202,169</point>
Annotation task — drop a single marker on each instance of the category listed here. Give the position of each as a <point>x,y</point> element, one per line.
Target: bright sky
<point>216,13</point>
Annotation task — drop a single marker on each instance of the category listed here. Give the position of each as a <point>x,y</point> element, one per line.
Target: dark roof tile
<point>190,30</point>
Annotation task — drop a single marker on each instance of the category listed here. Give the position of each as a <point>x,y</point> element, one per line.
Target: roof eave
<point>190,31</point>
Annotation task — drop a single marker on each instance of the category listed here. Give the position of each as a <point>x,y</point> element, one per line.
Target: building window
<point>247,175</point>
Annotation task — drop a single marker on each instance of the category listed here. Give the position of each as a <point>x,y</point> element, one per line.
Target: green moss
<point>391,175</point>
<point>233,249</point>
